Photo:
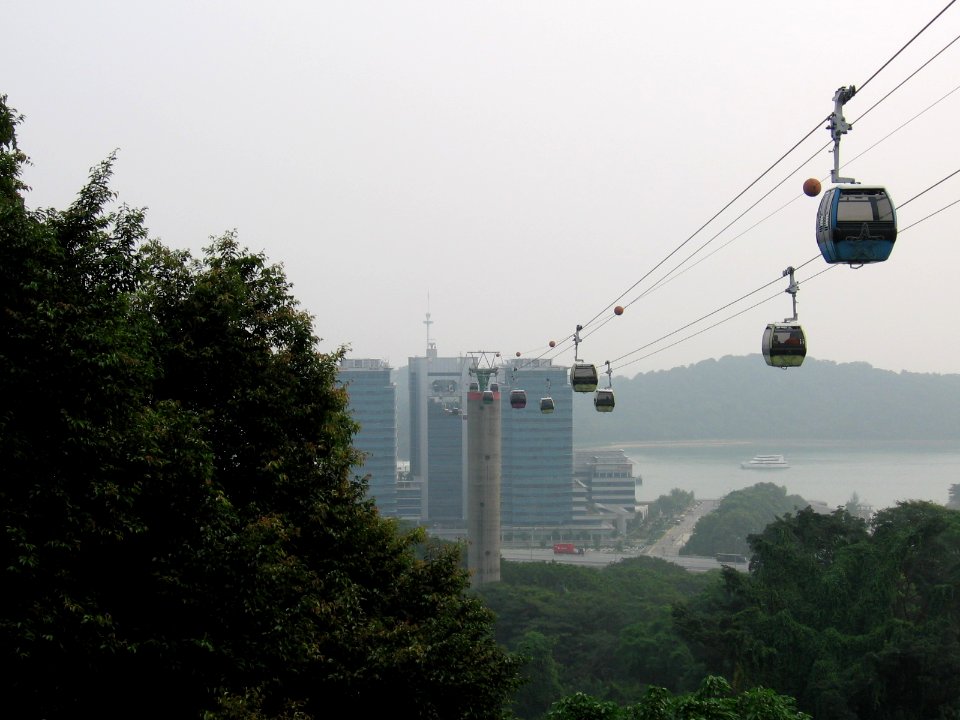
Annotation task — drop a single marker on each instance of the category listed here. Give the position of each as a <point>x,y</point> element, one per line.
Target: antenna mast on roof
<point>428,322</point>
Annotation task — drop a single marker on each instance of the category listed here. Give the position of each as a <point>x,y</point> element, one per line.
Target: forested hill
<point>743,398</point>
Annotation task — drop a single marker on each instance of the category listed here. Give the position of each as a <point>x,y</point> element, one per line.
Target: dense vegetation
<point>852,619</point>
<point>741,513</point>
<point>183,532</point>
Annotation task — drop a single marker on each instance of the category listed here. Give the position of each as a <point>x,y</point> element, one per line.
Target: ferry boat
<point>766,462</point>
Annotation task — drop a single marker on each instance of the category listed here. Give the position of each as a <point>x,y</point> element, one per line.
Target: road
<point>666,548</point>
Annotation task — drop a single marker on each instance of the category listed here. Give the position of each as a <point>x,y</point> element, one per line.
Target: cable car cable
<point>719,309</point>
<point>762,287</point>
<point>909,42</point>
<point>765,172</point>
<point>674,272</point>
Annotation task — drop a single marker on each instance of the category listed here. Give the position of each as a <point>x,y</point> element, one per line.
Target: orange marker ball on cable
<point>553,343</point>
<point>811,187</point>
<point>618,310</point>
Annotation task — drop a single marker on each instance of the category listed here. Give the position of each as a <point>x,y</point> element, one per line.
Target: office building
<point>537,447</point>
<point>373,405</point>
<point>438,437</point>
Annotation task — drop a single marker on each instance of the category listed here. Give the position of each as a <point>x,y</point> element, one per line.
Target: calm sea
<point>880,474</point>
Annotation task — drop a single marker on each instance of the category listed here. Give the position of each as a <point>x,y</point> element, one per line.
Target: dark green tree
<point>184,533</point>
<point>851,621</point>
<point>713,700</point>
<point>740,514</point>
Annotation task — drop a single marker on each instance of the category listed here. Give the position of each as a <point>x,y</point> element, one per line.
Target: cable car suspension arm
<point>792,289</point>
<point>838,127</point>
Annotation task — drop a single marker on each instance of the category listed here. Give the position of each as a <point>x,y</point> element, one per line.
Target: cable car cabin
<point>518,399</point>
<point>546,405</point>
<point>583,377</point>
<point>784,345</point>
<point>603,400</point>
<point>487,397</point>
<point>856,225</point>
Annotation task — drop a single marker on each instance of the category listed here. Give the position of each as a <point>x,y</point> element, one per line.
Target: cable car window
<point>864,207</point>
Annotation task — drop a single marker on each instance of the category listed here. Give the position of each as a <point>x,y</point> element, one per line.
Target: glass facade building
<point>373,405</point>
<point>438,436</point>
<point>536,447</point>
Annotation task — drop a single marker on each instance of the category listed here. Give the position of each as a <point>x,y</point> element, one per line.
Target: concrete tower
<point>483,472</point>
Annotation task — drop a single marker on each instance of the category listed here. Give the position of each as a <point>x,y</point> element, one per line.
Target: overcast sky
<point>519,168</point>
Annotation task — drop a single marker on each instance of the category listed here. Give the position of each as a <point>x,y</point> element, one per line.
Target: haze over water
<point>880,473</point>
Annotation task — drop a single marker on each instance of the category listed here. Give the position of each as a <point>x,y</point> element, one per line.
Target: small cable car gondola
<point>784,345</point>
<point>546,403</point>
<point>856,224</point>
<point>583,376</point>
<point>487,397</point>
<point>603,400</point>
<point>518,399</point>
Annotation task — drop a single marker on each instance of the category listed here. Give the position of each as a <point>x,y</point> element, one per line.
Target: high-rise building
<point>537,446</point>
<point>373,405</point>
<point>438,436</point>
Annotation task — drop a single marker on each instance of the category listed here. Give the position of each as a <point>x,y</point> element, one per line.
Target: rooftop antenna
<point>428,322</point>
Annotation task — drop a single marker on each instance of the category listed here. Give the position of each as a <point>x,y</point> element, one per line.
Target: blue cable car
<point>784,345</point>
<point>856,224</point>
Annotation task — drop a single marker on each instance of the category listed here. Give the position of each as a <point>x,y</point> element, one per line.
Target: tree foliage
<point>608,631</point>
<point>741,513</point>
<point>853,621</point>
<point>182,525</point>
<point>713,700</point>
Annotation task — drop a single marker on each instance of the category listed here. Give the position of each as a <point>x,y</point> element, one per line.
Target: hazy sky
<point>520,167</point>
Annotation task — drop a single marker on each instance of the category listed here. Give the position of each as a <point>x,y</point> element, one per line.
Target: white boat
<point>766,462</point>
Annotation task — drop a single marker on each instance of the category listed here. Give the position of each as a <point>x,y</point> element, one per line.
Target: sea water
<point>878,474</point>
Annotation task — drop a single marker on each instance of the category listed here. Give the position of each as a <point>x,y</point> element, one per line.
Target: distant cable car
<point>518,399</point>
<point>583,377</point>
<point>487,397</point>
<point>856,224</point>
<point>494,387</point>
<point>603,399</point>
<point>784,345</point>
<point>546,403</point>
